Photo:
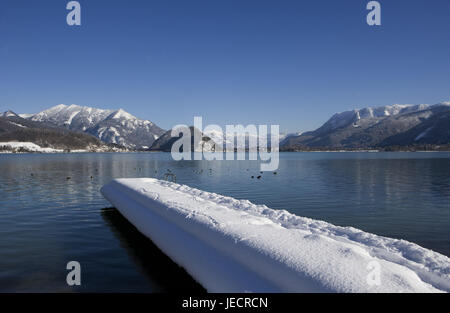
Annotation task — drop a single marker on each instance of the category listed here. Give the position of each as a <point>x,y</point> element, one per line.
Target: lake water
<point>47,219</point>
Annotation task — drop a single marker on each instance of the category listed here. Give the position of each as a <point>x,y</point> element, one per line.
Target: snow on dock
<point>231,245</point>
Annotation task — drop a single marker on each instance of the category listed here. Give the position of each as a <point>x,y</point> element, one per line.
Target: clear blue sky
<point>292,63</point>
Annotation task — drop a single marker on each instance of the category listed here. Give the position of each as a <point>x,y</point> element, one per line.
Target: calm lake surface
<point>47,220</point>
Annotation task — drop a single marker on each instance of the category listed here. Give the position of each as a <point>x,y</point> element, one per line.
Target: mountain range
<point>380,127</point>
<point>14,128</point>
<point>368,128</point>
<point>117,127</point>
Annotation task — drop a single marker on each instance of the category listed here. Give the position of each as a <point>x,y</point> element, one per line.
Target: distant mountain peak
<point>397,124</point>
<point>111,126</point>
<point>388,110</point>
<point>57,107</point>
<point>9,113</point>
<point>120,113</point>
<point>14,128</point>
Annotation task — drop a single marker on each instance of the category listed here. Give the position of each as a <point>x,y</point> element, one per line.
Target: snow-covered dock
<point>231,245</point>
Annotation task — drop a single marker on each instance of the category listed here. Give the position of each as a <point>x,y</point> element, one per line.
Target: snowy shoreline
<point>27,147</point>
<point>231,245</point>
<point>22,147</point>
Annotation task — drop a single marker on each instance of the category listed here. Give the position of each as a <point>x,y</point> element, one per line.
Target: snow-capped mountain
<point>213,139</point>
<point>118,127</point>
<point>392,125</point>
<point>8,113</point>
<point>72,116</point>
<point>251,141</point>
<point>26,135</point>
<point>283,136</point>
<point>368,116</point>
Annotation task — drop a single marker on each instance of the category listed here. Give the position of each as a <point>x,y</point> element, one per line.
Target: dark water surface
<point>47,220</point>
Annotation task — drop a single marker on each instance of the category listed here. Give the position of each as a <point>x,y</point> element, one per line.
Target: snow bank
<point>29,146</point>
<point>32,147</point>
<point>231,245</point>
